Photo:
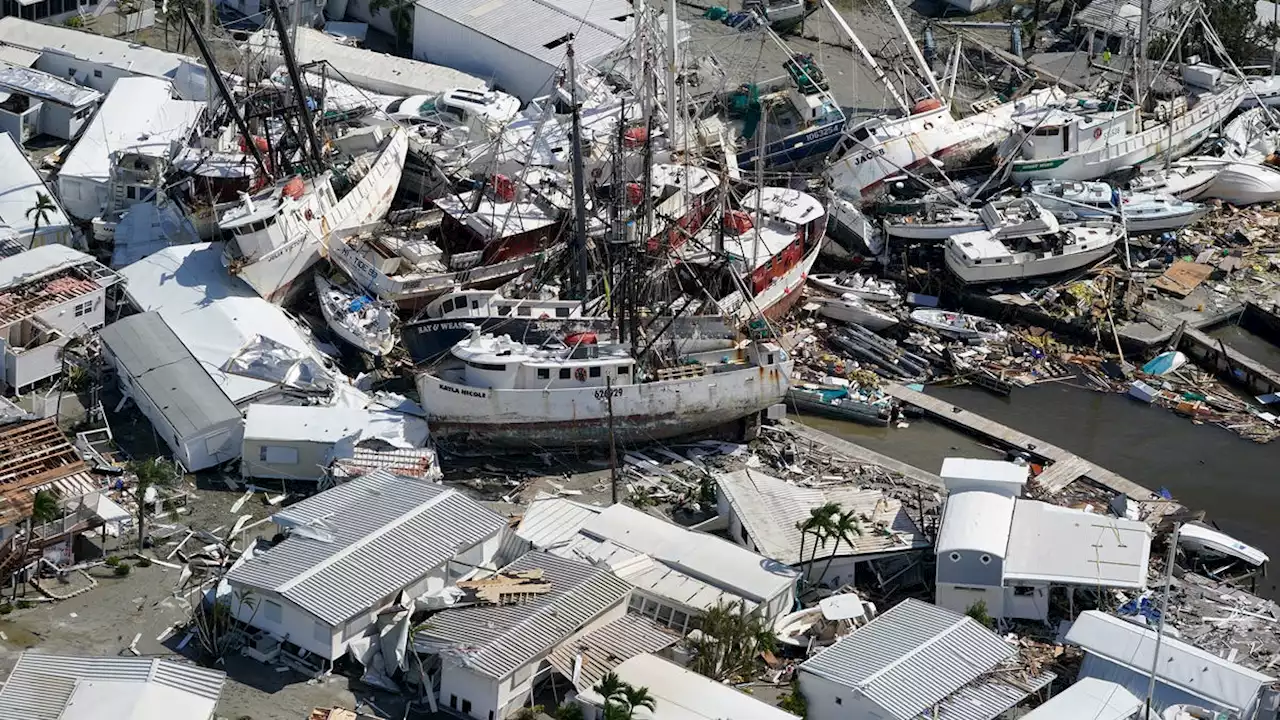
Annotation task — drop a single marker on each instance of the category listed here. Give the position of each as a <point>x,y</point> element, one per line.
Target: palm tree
<point>637,697</point>
<point>819,524</point>
<point>44,509</point>
<point>156,472</point>
<point>39,213</point>
<point>844,527</point>
<point>730,640</point>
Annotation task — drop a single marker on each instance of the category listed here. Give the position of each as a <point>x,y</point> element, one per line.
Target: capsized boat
<point>499,392</point>
<point>885,356</point>
<point>957,325</point>
<point>833,618</point>
<point>1143,212</point>
<point>363,322</point>
<point>854,283</point>
<point>850,308</point>
<point>978,257</point>
<point>1205,540</point>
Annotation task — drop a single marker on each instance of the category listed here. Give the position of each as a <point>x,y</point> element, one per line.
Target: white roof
<point>552,521</point>
<point>993,475</point>
<point>598,28</point>
<point>367,68</point>
<point>137,59</point>
<point>212,313</point>
<point>94,700</point>
<point>53,687</point>
<point>979,245</point>
<point>1180,665</point>
<point>47,87</point>
<point>38,262</point>
<point>140,115</point>
<point>20,57</point>
<point>312,423</point>
<point>1049,543</point>
<point>1089,698</point>
<point>18,187</point>
<point>681,694</point>
<point>786,204</point>
<point>976,521</point>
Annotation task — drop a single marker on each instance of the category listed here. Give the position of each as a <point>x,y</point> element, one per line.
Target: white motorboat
<point>978,257</point>
<point>1205,540</point>
<point>850,231</point>
<point>850,308</point>
<point>1186,179</point>
<point>833,618</point>
<point>1241,183</point>
<point>1264,89</point>
<point>864,286</point>
<point>1008,218</point>
<point>363,322</point>
<point>1091,200</point>
<point>957,325</point>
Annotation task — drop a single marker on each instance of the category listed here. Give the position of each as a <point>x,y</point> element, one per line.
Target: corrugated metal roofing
<point>1121,18</point>
<point>914,657</point>
<point>550,521</point>
<point>598,27</point>
<point>146,348</point>
<point>387,531</point>
<point>607,647</point>
<point>496,640</point>
<point>770,508</point>
<point>41,685</point>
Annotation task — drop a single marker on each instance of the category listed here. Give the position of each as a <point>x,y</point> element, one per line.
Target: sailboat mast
<point>295,78</point>
<point>221,84</point>
<point>673,60</point>
<point>866,55</point>
<point>1140,66</point>
<point>915,50</point>
<point>1164,610</point>
<point>578,244</point>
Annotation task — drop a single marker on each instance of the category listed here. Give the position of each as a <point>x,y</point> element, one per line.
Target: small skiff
<point>1187,178</point>
<point>957,325</point>
<point>359,320</point>
<point>864,286</point>
<point>1165,363</point>
<point>1144,212</point>
<point>832,619</point>
<point>1207,541</point>
<point>849,308</point>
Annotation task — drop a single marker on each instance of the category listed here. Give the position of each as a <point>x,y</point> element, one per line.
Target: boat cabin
<point>489,303</point>
<point>792,223</point>
<point>501,220</point>
<point>1053,131</point>
<point>502,363</point>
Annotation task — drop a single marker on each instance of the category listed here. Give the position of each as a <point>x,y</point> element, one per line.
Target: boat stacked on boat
<point>980,257</point>
<point>861,285</point>
<point>363,322</point>
<point>1141,212</point>
<point>1009,218</point>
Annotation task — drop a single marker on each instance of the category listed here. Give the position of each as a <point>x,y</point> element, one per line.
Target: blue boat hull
<point>796,148</point>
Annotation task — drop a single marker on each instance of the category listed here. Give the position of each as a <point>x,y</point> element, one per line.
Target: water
<point>1205,467</point>
<point>1255,347</point>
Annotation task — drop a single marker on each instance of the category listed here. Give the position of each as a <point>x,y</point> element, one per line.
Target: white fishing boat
<point>276,235</point>
<point>496,391</point>
<point>859,284</point>
<point>1240,183</point>
<point>1085,139</point>
<point>1008,218</point>
<point>1205,540</point>
<point>978,257</point>
<point>820,626</point>
<point>363,322</point>
<point>957,325</point>
<point>1143,212</point>
<point>853,309</point>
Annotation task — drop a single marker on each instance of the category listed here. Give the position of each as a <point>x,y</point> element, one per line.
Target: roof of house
<point>33,454</point>
<point>976,521</point>
<point>682,694</point>
<point>42,37</point>
<point>917,656</point>
<point>608,646</point>
<point>974,473</point>
<point>38,262</point>
<point>1122,17</point>
<point>46,87</point>
<point>1091,698</point>
<point>211,312</point>
<point>495,640</point>
<point>146,348</point>
<point>368,68</point>
<point>356,543</point>
<point>598,28</point>
<point>1180,665</point>
<point>770,508</point>
<point>54,687</point>
<point>18,189</point>
<point>18,56</point>
<point>1049,543</point>
<point>318,424</point>
<point>550,521</point>
<point>139,115</point>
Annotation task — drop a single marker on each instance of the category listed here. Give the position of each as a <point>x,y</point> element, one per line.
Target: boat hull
<point>795,148</point>
<point>869,318</point>
<point>577,417</point>
<point>829,283</point>
<point>1034,268</point>
<point>924,231</point>
<point>1244,184</point>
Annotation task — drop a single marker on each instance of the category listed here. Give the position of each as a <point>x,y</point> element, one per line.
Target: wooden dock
<point>1229,361</point>
<point>1063,467</point>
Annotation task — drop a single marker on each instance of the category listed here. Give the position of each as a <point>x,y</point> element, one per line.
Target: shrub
<point>144,562</point>
<point>122,570</point>
<point>112,561</point>
<point>5,609</point>
<point>26,604</point>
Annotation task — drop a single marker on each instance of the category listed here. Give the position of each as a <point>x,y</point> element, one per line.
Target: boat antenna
<point>578,246</point>
<point>221,84</point>
<point>295,78</point>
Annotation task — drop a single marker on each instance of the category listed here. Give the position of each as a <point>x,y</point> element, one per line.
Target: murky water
<point>1236,482</point>
<point>1246,342</point>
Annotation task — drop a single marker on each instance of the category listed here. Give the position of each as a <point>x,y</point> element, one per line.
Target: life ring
<point>928,126</point>
<point>1097,133</point>
<point>580,374</point>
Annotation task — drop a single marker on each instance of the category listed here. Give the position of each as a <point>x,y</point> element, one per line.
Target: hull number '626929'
<point>604,393</point>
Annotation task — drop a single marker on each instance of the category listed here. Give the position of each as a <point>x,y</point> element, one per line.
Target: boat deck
<point>1064,467</point>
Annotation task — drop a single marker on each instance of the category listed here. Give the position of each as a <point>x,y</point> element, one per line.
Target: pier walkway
<point>1064,467</point>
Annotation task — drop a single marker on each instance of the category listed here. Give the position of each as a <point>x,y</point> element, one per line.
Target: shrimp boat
<point>979,257</point>
<point>850,308</point>
<point>790,125</point>
<point>863,286</point>
<point>1143,212</point>
<point>957,325</point>
<point>499,392</point>
<point>1010,218</point>
<point>357,319</point>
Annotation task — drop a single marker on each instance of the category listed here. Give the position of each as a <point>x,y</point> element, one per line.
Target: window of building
<point>562,312</point>
<point>453,701</point>
<point>272,612</point>
<point>839,701</point>
<point>564,373</point>
<point>466,705</point>
<point>97,73</point>
<point>131,192</point>
<point>278,455</point>
<point>84,308</point>
<point>624,370</point>
<point>636,603</point>
<point>679,620</point>
<point>594,372</point>
<point>544,373</point>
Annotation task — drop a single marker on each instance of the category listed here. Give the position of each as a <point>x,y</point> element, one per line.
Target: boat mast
<point>295,78</point>
<point>1140,64</point>
<point>221,84</point>
<point>915,50</point>
<point>866,55</point>
<point>673,60</point>
<point>578,245</point>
